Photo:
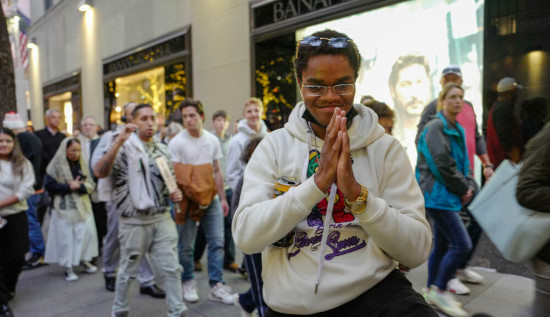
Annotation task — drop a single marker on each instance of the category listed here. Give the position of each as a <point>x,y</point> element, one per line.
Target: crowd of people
<point>337,241</point>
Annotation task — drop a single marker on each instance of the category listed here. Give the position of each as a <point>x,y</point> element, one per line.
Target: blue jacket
<point>442,169</point>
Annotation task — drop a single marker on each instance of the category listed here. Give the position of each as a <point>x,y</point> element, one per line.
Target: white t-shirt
<point>187,149</point>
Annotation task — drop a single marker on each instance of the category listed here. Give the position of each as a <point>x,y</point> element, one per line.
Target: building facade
<point>93,62</point>
<point>222,52</point>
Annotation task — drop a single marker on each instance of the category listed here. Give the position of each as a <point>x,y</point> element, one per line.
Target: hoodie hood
<point>244,128</point>
<point>363,130</point>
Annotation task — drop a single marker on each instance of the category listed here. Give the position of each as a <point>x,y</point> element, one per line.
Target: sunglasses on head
<point>335,42</point>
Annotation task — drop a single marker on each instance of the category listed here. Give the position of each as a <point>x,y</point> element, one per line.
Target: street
<point>43,292</point>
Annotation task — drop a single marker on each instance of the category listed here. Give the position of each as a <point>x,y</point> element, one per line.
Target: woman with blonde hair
<point>72,236</point>
<point>444,175</point>
<point>16,185</point>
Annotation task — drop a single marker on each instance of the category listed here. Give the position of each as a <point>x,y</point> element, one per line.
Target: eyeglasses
<point>318,90</point>
<point>335,42</point>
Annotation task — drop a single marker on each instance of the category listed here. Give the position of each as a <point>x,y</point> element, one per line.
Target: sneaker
<point>110,283</point>
<point>5,310</point>
<point>221,293</point>
<point>190,293</point>
<point>244,313</point>
<point>34,261</point>
<point>121,313</point>
<point>469,276</point>
<point>446,303</point>
<point>89,267</point>
<point>243,271</point>
<point>70,276</point>
<point>425,292</point>
<point>233,267</point>
<point>153,291</point>
<point>457,287</point>
<point>197,266</point>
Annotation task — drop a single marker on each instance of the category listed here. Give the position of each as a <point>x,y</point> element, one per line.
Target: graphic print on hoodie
<point>315,218</point>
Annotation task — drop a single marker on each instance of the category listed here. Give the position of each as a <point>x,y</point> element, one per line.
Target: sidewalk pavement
<point>43,292</point>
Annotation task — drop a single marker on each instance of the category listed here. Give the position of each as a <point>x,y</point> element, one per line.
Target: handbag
<point>517,232</point>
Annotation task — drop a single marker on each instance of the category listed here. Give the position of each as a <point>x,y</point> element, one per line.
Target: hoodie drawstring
<point>328,216</point>
<point>326,229</point>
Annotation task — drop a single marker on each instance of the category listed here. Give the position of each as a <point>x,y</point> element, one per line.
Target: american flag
<point>23,53</point>
<point>24,23</point>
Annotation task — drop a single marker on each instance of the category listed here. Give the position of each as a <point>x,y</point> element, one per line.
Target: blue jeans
<point>229,245</point>
<point>212,222</point>
<point>35,230</point>
<point>451,247</point>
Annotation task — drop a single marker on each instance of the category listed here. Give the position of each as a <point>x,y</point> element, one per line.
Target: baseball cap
<point>12,120</point>
<point>451,69</point>
<point>507,84</point>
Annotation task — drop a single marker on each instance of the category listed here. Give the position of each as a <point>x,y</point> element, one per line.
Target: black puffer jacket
<point>533,190</point>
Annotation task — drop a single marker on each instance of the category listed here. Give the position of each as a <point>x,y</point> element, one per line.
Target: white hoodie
<point>235,166</point>
<point>358,253</point>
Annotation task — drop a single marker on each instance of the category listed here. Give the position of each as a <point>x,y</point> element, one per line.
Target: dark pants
<point>474,232</point>
<point>228,246</point>
<point>391,297</point>
<point>43,206</point>
<point>100,217</point>
<point>253,298</point>
<point>14,242</point>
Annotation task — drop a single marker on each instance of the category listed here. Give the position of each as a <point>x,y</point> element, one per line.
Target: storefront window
<point>145,87</point>
<point>156,74</point>
<point>275,80</point>
<point>400,66</point>
<point>162,87</point>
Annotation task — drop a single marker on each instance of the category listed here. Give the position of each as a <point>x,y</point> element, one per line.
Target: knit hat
<point>12,120</point>
<point>508,83</point>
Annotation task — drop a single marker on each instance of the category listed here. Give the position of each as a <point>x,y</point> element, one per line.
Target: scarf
<point>140,186</point>
<point>73,206</point>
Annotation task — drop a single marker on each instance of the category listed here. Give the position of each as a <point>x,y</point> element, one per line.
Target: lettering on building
<point>281,10</point>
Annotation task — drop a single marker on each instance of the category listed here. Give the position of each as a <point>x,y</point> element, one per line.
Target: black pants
<point>14,242</point>
<point>392,297</point>
<point>100,218</point>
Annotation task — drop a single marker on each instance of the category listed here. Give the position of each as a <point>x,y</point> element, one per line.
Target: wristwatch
<point>360,204</point>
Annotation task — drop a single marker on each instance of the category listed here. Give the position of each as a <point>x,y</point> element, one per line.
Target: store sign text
<point>293,8</point>
<point>277,11</point>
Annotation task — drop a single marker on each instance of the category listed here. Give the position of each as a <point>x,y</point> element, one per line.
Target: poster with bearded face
<point>405,47</point>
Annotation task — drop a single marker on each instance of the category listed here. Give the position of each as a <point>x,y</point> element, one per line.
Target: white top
<point>360,250</point>
<point>104,185</point>
<point>235,166</point>
<point>18,186</point>
<point>85,144</point>
<point>187,149</point>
